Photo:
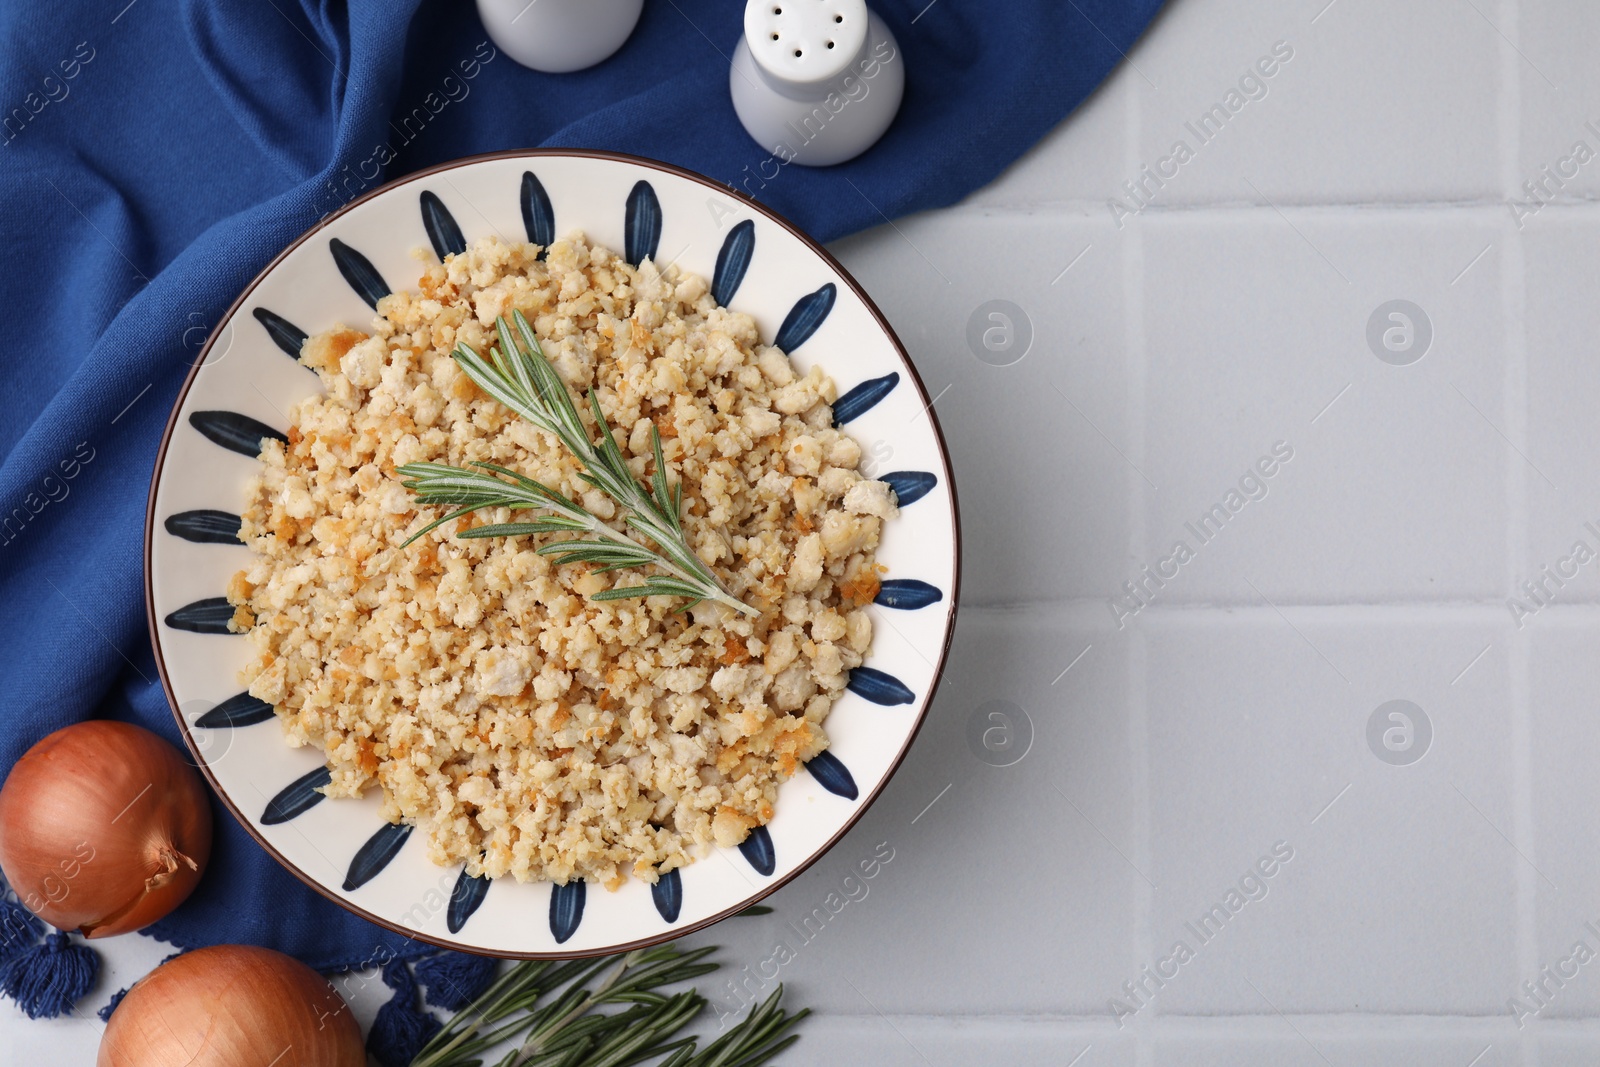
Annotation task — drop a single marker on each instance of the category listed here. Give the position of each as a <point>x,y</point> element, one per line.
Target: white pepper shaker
<point>815,82</point>
<point>558,36</point>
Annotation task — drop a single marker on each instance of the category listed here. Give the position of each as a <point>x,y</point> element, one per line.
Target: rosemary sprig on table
<point>553,1011</point>
<point>524,381</point>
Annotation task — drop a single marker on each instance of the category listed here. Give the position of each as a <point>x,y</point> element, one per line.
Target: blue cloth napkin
<point>155,155</point>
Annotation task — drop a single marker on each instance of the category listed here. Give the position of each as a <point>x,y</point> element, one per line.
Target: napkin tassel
<point>18,928</point>
<point>456,979</point>
<point>400,1029</point>
<point>47,979</point>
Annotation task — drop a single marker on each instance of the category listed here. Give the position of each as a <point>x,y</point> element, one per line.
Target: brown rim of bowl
<point>676,932</point>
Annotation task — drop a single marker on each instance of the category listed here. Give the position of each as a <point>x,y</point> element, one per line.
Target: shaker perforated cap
<point>805,42</point>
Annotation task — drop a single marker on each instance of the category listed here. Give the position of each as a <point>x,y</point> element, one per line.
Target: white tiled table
<point>1169,353</point>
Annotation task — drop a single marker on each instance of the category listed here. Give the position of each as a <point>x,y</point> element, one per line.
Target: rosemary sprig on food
<point>524,381</point>
<point>552,1011</point>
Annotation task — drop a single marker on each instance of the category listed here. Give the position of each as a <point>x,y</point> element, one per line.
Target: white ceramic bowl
<point>246,382</point>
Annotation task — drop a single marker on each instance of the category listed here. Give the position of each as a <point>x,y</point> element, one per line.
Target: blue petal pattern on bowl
<point>668,895</point>
<point>208,616</point>
<point>907,594</point>
<point>879,687</point>
<point>235,432</point>
<point>642,228</point>
<point>241,709</point>
<point>832,775</point>
<point>732,261</point>
<point>538,217</point>
<point>443,233</point>
<point>863,397</point>
<point>359,272</point>
<point>285,334</point>
<point>464,900</point>
<point>757,848</point>
<point>205,526</point>
<point>566,909</point>
<point>910,486</point>
<point>375,855</point>
<point>297,798</point>
<point>804,318</point>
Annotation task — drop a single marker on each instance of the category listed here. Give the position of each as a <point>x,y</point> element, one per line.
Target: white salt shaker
<point>558,36</point>
<point>816,82</point>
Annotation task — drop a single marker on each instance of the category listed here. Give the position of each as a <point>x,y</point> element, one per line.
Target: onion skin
<point>104,828</point>
<point>232,1006</point>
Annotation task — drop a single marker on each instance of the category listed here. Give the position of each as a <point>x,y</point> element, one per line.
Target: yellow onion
<point>103,828</point>
<point>232,1006</point>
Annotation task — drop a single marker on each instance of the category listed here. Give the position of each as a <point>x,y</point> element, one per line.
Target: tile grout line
<point>1412,612</point>
<point>1513,297</point>
<point>1138,727</point>
<point>1328,1023</point>
<point>1085,209</point>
